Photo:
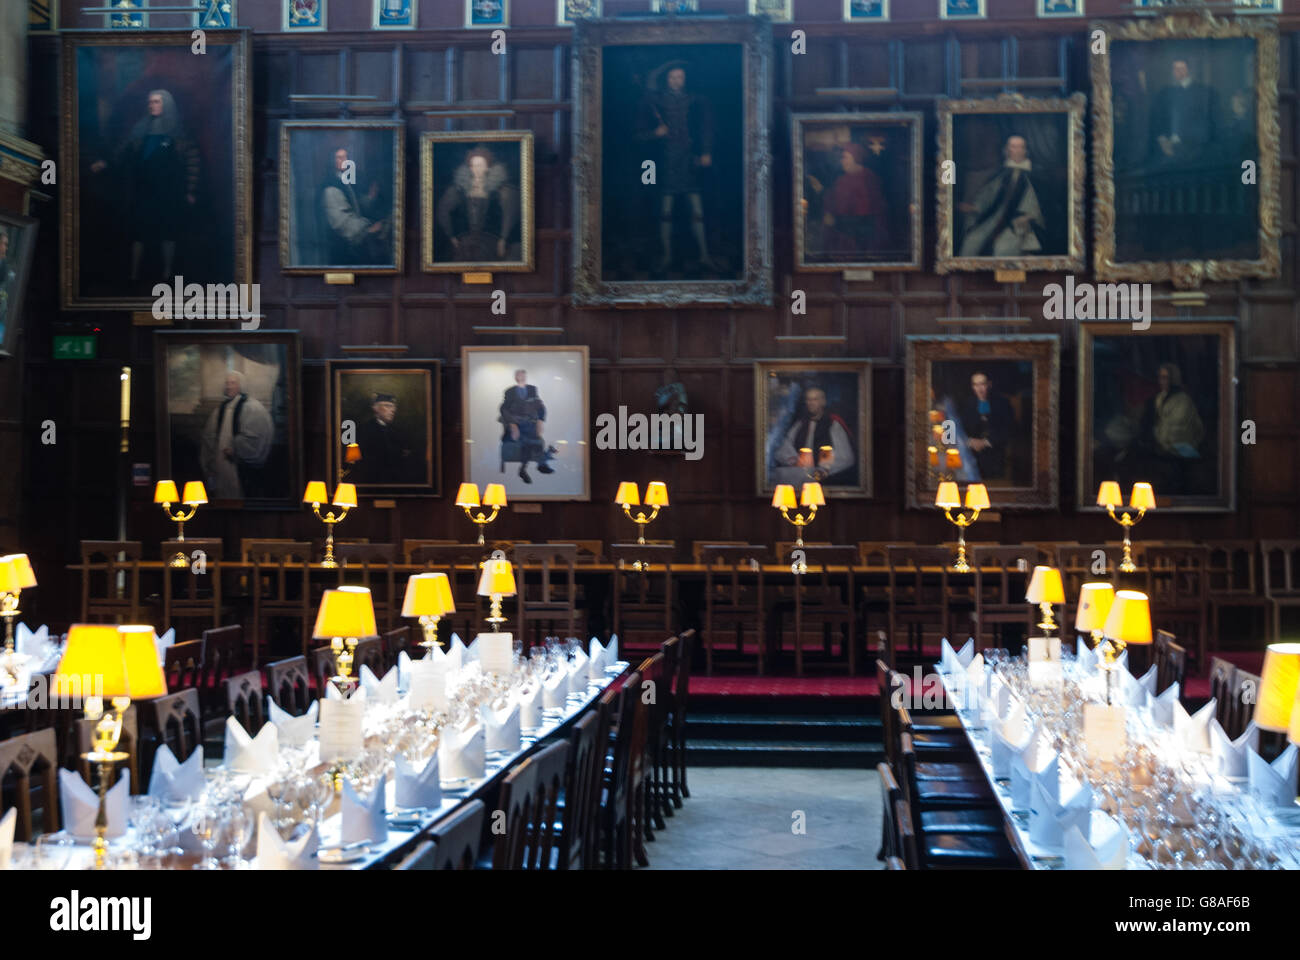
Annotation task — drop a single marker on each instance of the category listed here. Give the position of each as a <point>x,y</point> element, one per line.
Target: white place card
<point>340,729</point>
<point>428,685</point>
<point>1105,733</point>
<point>1044,649</point>
<point>495,652</point>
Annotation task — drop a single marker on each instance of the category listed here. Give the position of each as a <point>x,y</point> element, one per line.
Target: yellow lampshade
<point>783,496</point>
<point>195,493</point>
<point>498,577</point>
<point>1293,734</point>
<point>164,491</point>
<point>656,494</point>
<point>1095,600</point>
<point>494,495</point>
<point>977,497</point>
<point>812,496</point>
<point>8,576</point>
<point>144,675</point>
<point>20,573</point>
<point>1129,619</point>
<point>628,495</point>
<point>1108,494</point>
<point>1142,497</point>
<point>1275,703</point>
<point>109,661</point>
<point>947,497</point>
<point>315,492</point>
<point>428,595</point>
<point>1045,586</point>
<point>345,612</point>
<point>345,495</point>
<point>467,495</point>
<point>352,453</point>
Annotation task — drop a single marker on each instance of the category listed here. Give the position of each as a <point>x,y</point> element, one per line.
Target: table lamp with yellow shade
<point>1045,588</point>
<point>1095,601</point>
<point>656,497</point>
<point>345,499</point>
<point>16,575</point>
<point>948,498</point>
<point>496,581</point>
<point>811,497</point>
<point>1142,498</point>
<point>467,498</point>
<point>346,614</point>
<point>1279,683</point>
<point>121,663</point>
<point>428,596</point>
<point>193,497</point>
<point>1128,624</point>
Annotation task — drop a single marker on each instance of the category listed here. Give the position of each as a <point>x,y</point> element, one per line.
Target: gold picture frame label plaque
<point>145,318</point>
<point>1009,276</point>
<point>865,276</point>
<point>385,504</point>
<point>341,279</point>
<point>478,276</point>
<point>526,507</point>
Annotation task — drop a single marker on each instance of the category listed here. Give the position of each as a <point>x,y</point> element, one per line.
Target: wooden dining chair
<point>642,597</point>
<point>658,680</point>
<point>824,602</point>
<point>183,664</point>
<point>734,605</point>
<point>29,781</point>
<point>223,658</point>
<point>1178,587</point>
<point>517,800</point>
<point>1245,693</point>
<point>1280,560</point>
<point>905,839</point>
<point>1171,663</point>
<point>369,653</point>
<point>321,661</point>
<point>1001,578</point>
<point>586,762</point>
<point>101,600</point>
<point>676,738</point>
<point>373,566</point>
<point>547,593</point>
<point>128,742</point>
<point>545,828</point>
<point>175,719</point>
<point>1082,563</point>
<point>664,793</point>
<point>457,836</point>
<point>245,700</point>
<point>289,685</point>
<point>1223,675</point>
<point>616,821</point>
<point>199,596</point>
<point>423,856</point>
<point>281,588</point>
<point>396,641</point>
<point>890,794</point>
<point>921,599</point>
<point>1234,584</point>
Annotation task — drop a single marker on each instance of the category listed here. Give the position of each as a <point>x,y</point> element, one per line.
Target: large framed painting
<point>671,164</point>
<point>154,162</point>
<point>1185,151</point>
<point>341,196</point>
<point>476,201</point>
<point>229,412</point>
<point>816,425</point>
<point>1159,405</point>
<point>995,401</point>
<point>17,243</point>
<point>1011,181</point>
<point>857,191</point>
<point>526,420</point>
<point>391,410</point>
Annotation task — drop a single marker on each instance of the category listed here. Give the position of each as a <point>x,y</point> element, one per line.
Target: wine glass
<point>239,831</point>
<point>207,827</point>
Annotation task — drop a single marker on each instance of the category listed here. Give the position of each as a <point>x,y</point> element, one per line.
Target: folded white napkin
<point>1010,737</point>
<point>555,690</point>
<point>428,690</point>
<point>1162,707</point>
<point>974,684</point>
<point>955,661</point>
<point>1083,653</point>
<point>80,805</point>
<point>1230,755</point>
<point>7,824</point>
<point>460,754</point>
<point>1105,849</point>
<point>173,780</point>
<point>1049,818</point>
<point>364,818</point>
<point>162,643</point>
<point>530,708</point>
<point>1038,762</point>
<point>293,731</point>
<point>1193,730</point>
<point>1136,691</point>
<point>455,653</point>
<point>403,672</point>
<point>611,651</point>
<point>579,673</point>
<point>332,692</point>
<point>42,652</point>
<point>340,733</point>
<point>256,755</point>
<point>597,660</point>
<point>994,706</point>
<point>417,786</point>
<point>502,728</point>
<point>276,854</point>
<point>1274,783</point>
<point>379,691</point>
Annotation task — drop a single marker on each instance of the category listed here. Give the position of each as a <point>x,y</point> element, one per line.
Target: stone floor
<point>745,818</point>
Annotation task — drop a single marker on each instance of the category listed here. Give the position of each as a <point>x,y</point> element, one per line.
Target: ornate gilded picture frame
<point>671,163</point>
<point>1011,180</point>
<point>1159,405</point>
<point>1184,113</point>
<point>154,165</point>
<point>996,401</point>
<point>476,201</point>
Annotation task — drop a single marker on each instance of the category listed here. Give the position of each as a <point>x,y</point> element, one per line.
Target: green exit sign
<point>83,347</point>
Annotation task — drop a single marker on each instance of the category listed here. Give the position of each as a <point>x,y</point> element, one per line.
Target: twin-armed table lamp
<point>656,497</point>
<point>1142,498</point>
<point>345,498</point>
<point>496,581</point>
<point>194,496</point>
<point>346,615</point>
<point>1045,588</point>
<point>948,499</point>
<point>16,575</point>
<point>467,498</point>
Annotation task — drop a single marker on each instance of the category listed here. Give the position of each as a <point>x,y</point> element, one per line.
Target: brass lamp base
<point>1047,624</point>
<point>430,640</point>
<point>106,760</point>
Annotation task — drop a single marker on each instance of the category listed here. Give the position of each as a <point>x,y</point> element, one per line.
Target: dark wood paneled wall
<point>68,489</point>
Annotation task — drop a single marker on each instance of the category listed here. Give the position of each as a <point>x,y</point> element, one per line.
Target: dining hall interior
<point>649,435</point>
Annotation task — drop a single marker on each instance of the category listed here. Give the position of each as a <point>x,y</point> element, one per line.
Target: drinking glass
<point>207,827</point>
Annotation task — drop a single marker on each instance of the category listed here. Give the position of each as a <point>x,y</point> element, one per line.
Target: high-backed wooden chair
<point>824,602</point>
<point>394,642</point>
<point>100,599</point>
<point>199,583</point>
<point>655,676</point>
<point>734,605</point>
<point>518,801</point>
<point>281,587</point>
<point>1178,585</point>
<point>129,743</point>
<point>547,589</point>
<point>676,739</point>
<point>920,594</point>
<point>29,781</point>
<point>890,794</point>
<point>321,663</point>
<point>183,664</point>
<point>619,794</point>
<point>245,701</point>
<point>288,684</point>
<point>457,836</point>
<point>223,657</point>
<point>1281,562</point>
<point>1001,577</point>
<point>175,719</point>
<point>1242,698</point>
<point>1082,563</point>
<point>1234,583</point>
<point>372,565</point>
<point>1171,663</point>
<point>461,563</point>
<point>582,782</point>
<point>369,653</point>
<point>545,829</point>
<point>643,598</point>
<point>1223,676</point>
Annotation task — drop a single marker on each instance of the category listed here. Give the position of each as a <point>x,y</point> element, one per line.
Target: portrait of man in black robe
<point>389,451</point>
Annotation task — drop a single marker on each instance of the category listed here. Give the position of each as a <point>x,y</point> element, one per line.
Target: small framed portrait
<point>1186,151</point>
<point>216,14</point>
<point>526,418</point>
<point>813,422</point>
<point>1011,180</point>
<point>866,11</point>
<point>995,401</point>
<point>857,191</point>
<point>1159,406</point>
<point>384,427</point>
<point>394,14</point>
<point>962,9</point>
<point>568,12</point>
<point>674,6</point>
<point>476,201</point>
<point>778,11</point>
<point>1060,8</point>
<point>303,16</point>
<point>341,196</point>
<point>229,413</point>
<point>487,13</point>
<point>17,242</point>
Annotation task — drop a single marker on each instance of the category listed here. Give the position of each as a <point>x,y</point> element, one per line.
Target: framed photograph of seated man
<point>1186,151</point>
<point>671,163</point>
<point>1159,405</point>
<point>1010,184</point>
<point>857,191</point>
<point>341,196</point>
<point>525,423</point>
<point>813,422</point>
<point>994,400</point>
<point>229,413</point>
<point>391,410</point>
